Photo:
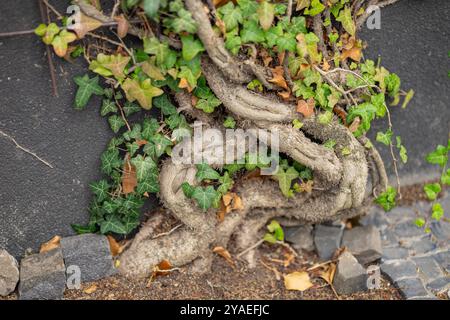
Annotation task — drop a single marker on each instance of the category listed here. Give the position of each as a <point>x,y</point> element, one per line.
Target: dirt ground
<point>226,282</point>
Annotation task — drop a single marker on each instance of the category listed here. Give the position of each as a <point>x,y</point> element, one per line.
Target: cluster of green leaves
<point>263,23</point>
<point>140,146</point>
<point>289,174</point>
<point>179,20</point>
<point>387,199</point>
<point>111,210</point>
<point>439,157</point>
<point>208,196</point>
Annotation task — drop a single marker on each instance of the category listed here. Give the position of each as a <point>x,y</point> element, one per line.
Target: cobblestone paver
<point>418,263</point>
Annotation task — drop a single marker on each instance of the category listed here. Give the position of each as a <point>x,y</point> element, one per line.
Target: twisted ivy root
<point>341,181</point>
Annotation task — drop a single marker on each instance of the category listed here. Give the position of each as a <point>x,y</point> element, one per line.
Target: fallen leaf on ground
<point>328,273</point>
<point>114,246</point>
<point>53,243</point>
<point>306,108</point>
<point>162,269</point>
<point>91,289</point>
<point>297,281</point>
<point>221,251</point>
<point>284,94</point>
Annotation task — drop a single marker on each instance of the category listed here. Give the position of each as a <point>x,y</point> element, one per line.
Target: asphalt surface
<point>37,202</point>
<point>414,42</point>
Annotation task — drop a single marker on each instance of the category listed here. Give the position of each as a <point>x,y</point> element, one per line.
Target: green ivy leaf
<point>205,172</point>
<point>251,32</point>
<point>149,128</point>
<point>392,82</point>
<point>231,16</point>
<point>107,65</point>
<point>225,183</point>
<point>432,190</point>
<point>445,178</point>
<point>86,88</point>
<point>160,143</point>
<point>437,211</point>
<point>188,190</point>
<point>275,234</point>
<point>116,122</point>
<point>229,123</point>
<point>346,19</point>
<point>100,189</point>
<point>151,7</point>
<point>248,7</point>
<point>387,199</point>
<point>108,106</point>
<point>285,179</point>
<point>163,103</point>
<point>143,92</point>
<point>130,108</point>
<point>316,8</point>
<point>149,184</point>
<point>208,105</point>
<point>385,138</point>
<point>144,167</point>
<point>205,197</point>
<point>438,156</point>
<point>112,224</point>
<point>110,160</point>
<point>184,22</point>
<point>420,222</point>
<point>191,47</point>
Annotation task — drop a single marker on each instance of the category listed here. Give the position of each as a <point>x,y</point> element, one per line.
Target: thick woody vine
<point>292,66</point>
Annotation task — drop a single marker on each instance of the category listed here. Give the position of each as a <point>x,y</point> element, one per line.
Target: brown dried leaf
<point>129,178</point>
<point>306,108</point>
<point>53,243</point>
<point>328,273</point>
<point>284,94</point>
<point>221,25</point>
<point>297,281</point>
<point>278,77</point>
<point>221,251</point>
<point>114,246</point>
<point>219,3</point>
<point>237,203</point>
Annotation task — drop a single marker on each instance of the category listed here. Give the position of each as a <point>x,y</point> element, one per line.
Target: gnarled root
<point>341,179</point>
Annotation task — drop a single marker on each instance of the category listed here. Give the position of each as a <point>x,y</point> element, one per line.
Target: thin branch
<point>257,244</point>
<point>52,8</point>
<point>49,54</point>
<point>25,149</point>
<point>167,233</point>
